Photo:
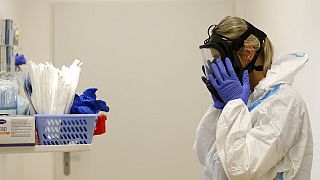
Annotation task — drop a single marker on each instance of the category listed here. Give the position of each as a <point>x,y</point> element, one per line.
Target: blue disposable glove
<point>87,103</point>
<point>216,103</point>
<point>20,59</point>
<point>227,84</point>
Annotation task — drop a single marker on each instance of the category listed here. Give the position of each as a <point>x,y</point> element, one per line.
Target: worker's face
<point>246,54</point>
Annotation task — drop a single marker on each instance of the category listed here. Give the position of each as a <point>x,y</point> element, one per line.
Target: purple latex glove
<point>216,103</point>
<point>228,85</point>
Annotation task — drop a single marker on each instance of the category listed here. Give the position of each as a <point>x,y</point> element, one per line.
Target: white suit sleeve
<point>250,151</point>
<point>206,133</point>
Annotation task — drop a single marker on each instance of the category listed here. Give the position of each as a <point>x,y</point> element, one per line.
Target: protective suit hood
<point>283,71</point>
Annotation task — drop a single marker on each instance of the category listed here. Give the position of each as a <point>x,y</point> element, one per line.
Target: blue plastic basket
<point>65,129</point>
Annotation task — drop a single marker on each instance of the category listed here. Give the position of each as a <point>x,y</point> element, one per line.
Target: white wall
<point>10,9</point>
<point>293,25</point>
<point>144,58</point>
<point>37,43</point>
<point>37,39</point>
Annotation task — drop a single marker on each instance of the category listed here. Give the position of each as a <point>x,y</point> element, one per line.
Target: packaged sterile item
<point>8,96</point>
<point>17,131</point>
<point>7,61</point>
<point>23,106</point>
<point>9,41</point>
<point>9,33</point>
<point>6,49</point>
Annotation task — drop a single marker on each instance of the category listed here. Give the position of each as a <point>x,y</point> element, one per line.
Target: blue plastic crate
<point>65,129</point>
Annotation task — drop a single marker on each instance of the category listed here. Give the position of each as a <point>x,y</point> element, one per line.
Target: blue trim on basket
<point>65,129</point>
<point>269,93</point>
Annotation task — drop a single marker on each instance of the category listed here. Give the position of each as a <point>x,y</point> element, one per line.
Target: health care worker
<point>264,134</point>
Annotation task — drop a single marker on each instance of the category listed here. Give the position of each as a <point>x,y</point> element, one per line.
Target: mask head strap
<point>208,39</point>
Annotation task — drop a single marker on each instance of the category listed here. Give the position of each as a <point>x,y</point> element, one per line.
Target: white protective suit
<point>269,139</point>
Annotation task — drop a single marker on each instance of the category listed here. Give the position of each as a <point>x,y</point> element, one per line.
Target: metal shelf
<point>45,149</point>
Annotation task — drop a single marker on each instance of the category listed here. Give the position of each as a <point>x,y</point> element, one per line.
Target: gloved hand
<point>20,59</point>
<point>228,85</point>
<point>216,103</point>
<point>87,103</point>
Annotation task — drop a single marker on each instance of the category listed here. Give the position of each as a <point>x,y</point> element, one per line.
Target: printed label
<point>20,128</point>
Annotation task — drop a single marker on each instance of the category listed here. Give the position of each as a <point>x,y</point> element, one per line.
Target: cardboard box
<point>17,131</point>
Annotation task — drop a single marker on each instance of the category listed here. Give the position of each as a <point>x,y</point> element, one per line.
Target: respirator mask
<point>219,47</point>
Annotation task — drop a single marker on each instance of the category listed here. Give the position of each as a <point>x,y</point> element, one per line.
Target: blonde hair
<point>233,27</point>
